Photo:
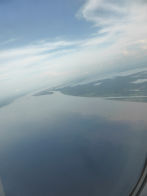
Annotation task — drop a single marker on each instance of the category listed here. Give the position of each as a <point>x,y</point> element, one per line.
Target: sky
<point>48,42</point>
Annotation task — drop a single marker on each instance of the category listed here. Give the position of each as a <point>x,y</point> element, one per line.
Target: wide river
<point>59,145</point>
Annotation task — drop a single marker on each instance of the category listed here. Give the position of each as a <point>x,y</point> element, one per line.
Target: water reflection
<point>53,145</point>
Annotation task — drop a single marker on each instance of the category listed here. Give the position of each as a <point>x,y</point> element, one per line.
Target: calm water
<point>57,145</point>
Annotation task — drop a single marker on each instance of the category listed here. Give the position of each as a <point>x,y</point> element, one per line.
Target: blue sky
<point>47,42</point>
<point>31,20</point>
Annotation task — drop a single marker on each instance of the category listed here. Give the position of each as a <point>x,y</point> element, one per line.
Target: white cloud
<point>124,20</point>
<point>34,49</point>
<point>120,33</point>
<point>8,41</point>
<point>102,12</point>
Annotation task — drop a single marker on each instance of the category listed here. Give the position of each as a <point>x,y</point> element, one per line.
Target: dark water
<point>58,145</point>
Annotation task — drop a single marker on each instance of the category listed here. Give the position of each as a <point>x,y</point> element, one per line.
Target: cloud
<point>122,23</point>
<point>34,49</point>
<point>34,65</point>
<point>103,12</point>
<point>119,33</point>
<point>8,41</point>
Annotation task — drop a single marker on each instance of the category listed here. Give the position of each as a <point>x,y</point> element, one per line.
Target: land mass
<point>45,92</point>
<point>131,87</point>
